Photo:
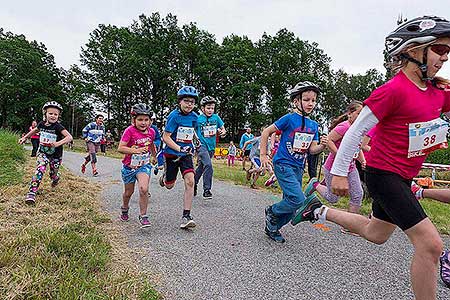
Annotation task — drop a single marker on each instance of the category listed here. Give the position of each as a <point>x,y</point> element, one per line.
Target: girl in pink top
<point>137,145</point>
<point>406,111</point>
<point>338,129</point>
<point>34,139</point>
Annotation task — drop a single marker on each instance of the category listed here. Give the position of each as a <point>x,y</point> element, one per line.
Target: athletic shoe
<point>124,215</point>
<point>248,175</point>
<point>187,222</point>
<point>417,190</point>
<point>306,212</point>
<point>83,168</point>
<point>311,187</point>
<point>155,171</point>
<point>55,183</point>
<point>144,221</point>
<point>445,267</point>
<point>207,195</point>
<point>95,174</point>
<point>271,226</point>
<point>195,190</point>
<point>161,181</point>
<point>270,181</point>
<point>30,199</point>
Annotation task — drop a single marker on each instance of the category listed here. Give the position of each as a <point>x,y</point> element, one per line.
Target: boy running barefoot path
<point>178,136</point>
<point>300,136</point>
<point>406,111</point>
<point>137,143</point>
<point>209,124</point>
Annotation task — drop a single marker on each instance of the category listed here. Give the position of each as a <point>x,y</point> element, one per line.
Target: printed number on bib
<point>425,137</point>
<point>138,160</point>
<point>185,134</point>
<point>209,130</point>
<point>302,141</point>
<point>46,138</point>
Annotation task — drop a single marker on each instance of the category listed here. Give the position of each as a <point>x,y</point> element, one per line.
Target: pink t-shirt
<point>371,133</point>
<point>136,138</point>
<point>396,104</point>
<point>340,129</point>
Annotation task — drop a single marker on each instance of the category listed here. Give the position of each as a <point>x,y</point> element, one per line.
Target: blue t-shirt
<point>181,126</point>
<point>207,129</point>
<point>295,142</point>
<point>246,137</point>
<point>157,140</point>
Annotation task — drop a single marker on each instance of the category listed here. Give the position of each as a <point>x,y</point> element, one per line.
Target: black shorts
<point>174,163</point>
<point>247,153</point>
<point>393,200</point>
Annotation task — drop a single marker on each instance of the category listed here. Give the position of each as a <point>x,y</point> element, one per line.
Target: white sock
<point>321,213</point>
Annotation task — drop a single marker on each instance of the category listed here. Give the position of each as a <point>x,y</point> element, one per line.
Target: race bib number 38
<point>425,137</point>
<point>185,134</point>
<point>302,141</point>
<point>209,130</point>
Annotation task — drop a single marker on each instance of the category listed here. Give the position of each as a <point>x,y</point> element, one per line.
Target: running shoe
<point>30,199</point>
<point>445,267</point>
<point>270,181</point>
<point>311,186</point>
<point>417,190</point>
<point>155,170</point>
<point>144,221</point>
<point>195,190</point>
<point>187,222</point>
<point>83,168</point>
<point>55,183</point>
<point>161,181</point>
<point>306,212</point>
<point>271,226</point>
<point>207,195</point>
<point>124,215</point>
<point>275,236</point>
<point>95,173</point>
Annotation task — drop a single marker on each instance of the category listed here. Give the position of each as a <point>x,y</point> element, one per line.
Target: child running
<point>208,125</point>
<point>231,153</point>
<point>406,111</point>
<point>338,129</point>
<point>257,169</point>
<point>178,136</point>
<point>245,151</point>
<point>52,137</point>
<point>93,134</point>
<point>137,143</point>
<point>300,135</point>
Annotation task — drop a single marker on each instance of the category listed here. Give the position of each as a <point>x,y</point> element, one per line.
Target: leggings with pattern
<point>355,189</point>
<point>41,165</point>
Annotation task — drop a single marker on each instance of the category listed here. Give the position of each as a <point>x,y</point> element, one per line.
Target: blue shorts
<point>256,162</point>
<point>129,174</point>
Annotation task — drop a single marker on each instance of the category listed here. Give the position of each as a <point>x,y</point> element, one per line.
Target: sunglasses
<point>440,49</point>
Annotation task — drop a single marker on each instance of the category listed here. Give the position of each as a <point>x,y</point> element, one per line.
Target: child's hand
<point>22,140</point>
<point>265,161</point>
<point>363,164</point>
<point>324,140</point>
<point>54,144</point>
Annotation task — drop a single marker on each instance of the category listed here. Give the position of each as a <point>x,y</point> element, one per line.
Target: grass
<point>438,212</point>
<point>12,156</point>
<point>65,247</point>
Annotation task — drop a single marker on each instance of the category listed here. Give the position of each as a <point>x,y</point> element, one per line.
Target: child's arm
<point>124,149</point>
<point>170,142</point>
<point>26,136</point>
<point>362,159</point>
<point>332,138</point>
<point>67,139</point>
<point>265,160</point>
<point>316,148</point>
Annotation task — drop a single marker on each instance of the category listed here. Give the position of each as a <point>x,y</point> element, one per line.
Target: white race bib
<point>425,137</point>
<point>138,160</point>
<point>302,141</point>
<point>209,130</point>
<point>185,134</point>
<point>46,138</point>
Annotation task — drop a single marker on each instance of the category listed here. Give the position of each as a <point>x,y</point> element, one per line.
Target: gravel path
<point>227,256</point>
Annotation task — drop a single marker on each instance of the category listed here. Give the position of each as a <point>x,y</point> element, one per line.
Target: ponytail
<point>351,107</point>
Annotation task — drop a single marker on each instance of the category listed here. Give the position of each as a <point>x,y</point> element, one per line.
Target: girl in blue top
<point>300,136</point>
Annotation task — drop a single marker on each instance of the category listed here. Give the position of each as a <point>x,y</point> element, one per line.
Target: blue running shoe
<point>306,212</point>
<point>271,226</point>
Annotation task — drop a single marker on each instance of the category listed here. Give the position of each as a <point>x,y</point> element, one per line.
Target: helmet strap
<point>422,66</point>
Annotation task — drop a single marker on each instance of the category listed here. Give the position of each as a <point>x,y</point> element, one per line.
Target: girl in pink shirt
<point>406,111</point>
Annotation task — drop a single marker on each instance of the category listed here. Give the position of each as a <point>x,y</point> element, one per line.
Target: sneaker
<point>155,170</point>
<point>144,221</point>
<point>445,267</point>
<point>187,222</point>
<point>161,181</point>
<point>195,190</point>
<point>311,186</point>
<point>124,215</point>
<point>306,212</point>
<point>417,190</point>
<point>55,183</point>
<point>271,226</point>
<point>276,236</point>
<point>248,175</point>
<point>83,168</point>
<point>270,181</point>
<point>30,199</point>
<point>95,173</point>
<point>207,195</point>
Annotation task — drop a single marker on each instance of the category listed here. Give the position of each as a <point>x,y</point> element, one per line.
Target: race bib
<point>209,130</point>
<point>138,160</point>
<point>355,156</point>
<point>46,138</point>
<point>302,141</point>
<point>425,137</point>
<point>185,134</point>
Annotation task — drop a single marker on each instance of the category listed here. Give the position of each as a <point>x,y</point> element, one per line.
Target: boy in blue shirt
<point>178,136</point>
<point>247,136</point>
<point>300,136</point>
<point>209,124</point>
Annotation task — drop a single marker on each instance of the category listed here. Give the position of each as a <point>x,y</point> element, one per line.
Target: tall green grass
<point>12,158</point>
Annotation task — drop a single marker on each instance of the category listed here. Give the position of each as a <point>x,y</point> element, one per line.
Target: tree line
<point>149,60</point>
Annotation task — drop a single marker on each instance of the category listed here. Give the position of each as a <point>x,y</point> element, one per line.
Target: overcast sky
<point>351,32</point>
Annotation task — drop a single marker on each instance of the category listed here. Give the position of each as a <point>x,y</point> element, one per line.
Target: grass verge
<point>12,157</point>
<point>438,212</point>
<point>64,247</point>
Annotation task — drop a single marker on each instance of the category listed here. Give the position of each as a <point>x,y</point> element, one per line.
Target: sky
<point>351,32</point>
